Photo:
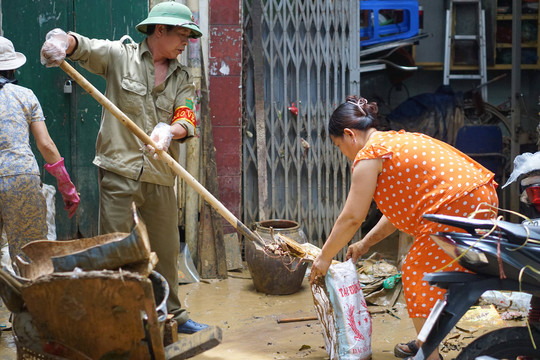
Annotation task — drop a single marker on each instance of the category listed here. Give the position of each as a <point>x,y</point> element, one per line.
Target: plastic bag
<point>523,164</point>
<point>49,192</point>
<point>342,311</point>
<point>512,300</point>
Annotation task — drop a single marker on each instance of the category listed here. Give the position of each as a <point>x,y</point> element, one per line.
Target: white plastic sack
<point>342,311</point>
<point>512,300</point>
<point>523,164</point>
<point>5,260</point>
<point>49,192</point>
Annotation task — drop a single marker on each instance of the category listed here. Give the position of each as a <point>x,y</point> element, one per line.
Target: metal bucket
<point>161,294</point>
<point>271,275</point>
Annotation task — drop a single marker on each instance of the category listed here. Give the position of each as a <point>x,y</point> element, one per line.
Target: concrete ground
<point>249,321</point>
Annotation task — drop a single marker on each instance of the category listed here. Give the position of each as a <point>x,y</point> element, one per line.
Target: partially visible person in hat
<point>23,207</point>
<point>148,83</point>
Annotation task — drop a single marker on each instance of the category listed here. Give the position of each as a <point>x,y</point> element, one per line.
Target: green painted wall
<point>73,119</point>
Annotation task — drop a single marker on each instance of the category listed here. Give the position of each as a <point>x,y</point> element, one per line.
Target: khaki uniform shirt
<point>129,72</point>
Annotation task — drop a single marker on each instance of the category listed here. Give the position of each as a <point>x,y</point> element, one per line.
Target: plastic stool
<point>374,32</point>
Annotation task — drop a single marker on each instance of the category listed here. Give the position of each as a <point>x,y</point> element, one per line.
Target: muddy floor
<point>249,321</point>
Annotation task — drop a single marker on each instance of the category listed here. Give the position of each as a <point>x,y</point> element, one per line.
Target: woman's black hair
<point>8,74</point>
<point>354,113</point>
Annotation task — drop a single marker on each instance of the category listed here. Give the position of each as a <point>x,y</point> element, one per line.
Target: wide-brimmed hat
<point>9,58</point>
<point>171,13</point>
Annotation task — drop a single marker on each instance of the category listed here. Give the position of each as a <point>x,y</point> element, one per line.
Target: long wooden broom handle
<point>173,164</point>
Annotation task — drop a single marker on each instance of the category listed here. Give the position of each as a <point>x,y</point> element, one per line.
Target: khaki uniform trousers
<point>158,209</point>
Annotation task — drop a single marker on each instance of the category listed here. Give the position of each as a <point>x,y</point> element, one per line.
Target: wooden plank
<point>190,345</point>
<point>212,257</point>
<point>71,309</point>
<point>260,115</point>
<point>170,333</point>
<point>221,254</point>
<point>232,250</point>
<point>206,264</point>
<point>211,181</point>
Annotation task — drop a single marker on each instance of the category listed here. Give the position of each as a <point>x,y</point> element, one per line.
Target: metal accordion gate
<point>300,60</point>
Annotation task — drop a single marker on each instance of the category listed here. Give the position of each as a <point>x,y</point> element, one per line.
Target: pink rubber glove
<point>53,51</point>
<point>65,186</point>
<point>162,136</point>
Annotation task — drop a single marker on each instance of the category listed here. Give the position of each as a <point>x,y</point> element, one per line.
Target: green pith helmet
<point>171,13</point>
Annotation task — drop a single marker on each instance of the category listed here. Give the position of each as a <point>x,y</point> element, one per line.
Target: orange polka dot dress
<point>421,175</point>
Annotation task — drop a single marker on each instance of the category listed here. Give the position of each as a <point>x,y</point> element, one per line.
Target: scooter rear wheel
<point>505,343</point>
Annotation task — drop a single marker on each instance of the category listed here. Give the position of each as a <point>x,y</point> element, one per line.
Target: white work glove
<point>162,136</point>
<point>53,51</point>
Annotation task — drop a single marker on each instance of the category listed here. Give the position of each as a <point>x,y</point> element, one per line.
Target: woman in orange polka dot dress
<point>408,175</point>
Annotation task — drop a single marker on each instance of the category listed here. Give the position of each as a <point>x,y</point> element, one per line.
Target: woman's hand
<point>319,268</point>
<point>356,250</point>
<point>381,230</point>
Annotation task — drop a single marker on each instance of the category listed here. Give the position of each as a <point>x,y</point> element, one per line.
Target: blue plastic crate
<point>484,143</point>
<point>376,28</point>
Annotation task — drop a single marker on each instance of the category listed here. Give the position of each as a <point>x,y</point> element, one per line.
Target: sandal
<point>400,353</point>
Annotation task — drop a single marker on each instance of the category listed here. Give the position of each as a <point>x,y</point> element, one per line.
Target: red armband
<point>184,113</point>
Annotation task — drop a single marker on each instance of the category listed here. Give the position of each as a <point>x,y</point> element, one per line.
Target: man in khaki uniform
<point>147,82</point>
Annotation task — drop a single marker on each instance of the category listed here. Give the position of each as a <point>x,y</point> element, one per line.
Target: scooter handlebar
<point>515,233</point>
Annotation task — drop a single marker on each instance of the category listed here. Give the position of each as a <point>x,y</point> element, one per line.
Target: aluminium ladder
<point>450,40</point>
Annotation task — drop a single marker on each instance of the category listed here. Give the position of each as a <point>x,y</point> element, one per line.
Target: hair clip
<point>360,104</point>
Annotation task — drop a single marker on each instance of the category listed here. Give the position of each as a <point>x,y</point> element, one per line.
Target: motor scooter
<point>511,249</point>
<point>503,256</point>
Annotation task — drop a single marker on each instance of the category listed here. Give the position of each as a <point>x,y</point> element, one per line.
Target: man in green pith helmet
<point>148,83</point>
